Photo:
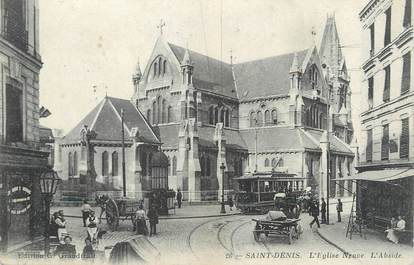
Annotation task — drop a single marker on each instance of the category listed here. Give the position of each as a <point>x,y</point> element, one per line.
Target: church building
<point>282,113</point>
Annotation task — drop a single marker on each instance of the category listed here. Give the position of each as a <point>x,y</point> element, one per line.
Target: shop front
<point>22,212</point>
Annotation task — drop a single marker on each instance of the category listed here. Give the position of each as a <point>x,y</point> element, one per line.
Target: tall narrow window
<point>208,166</point>
<point>387,36</point>
<point>159,109</point>
<point>266,163</point>
<point>387,84</point>
<point>227,119</point>
<point>164,111</point>
<point>406,75</point>
<point>252,119</point>
<point>75,164</point>
<point>222,116</point>
<point>368,152</point>
<point>407,13</point>
<point>371,92</point>
<point>14,115</point>
<point>149,116</point>
<point>159,66</point>
<point>154,112</point>
<point>174,166</point>
<point>211,115</point>
<point>105,163</point>
<point>385,143</point>
<point>170,114</point>
<point>267,117</point>
<point>372,39</point>
<point>202,166</point>
<point>274,116</point>
<point>259,118</point>
<point>114,163</point>
<point>241,167</point>
<point>155,69</point>
<point>216,114</point>
<point>70,165</point>
<point>281,162</point>
<point>404,138</point>
<point>164,67</point>
<point>143,159</point>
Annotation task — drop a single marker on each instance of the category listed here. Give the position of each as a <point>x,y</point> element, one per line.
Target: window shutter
<point>385,145</point>
<point>369,146</point>
<point>387,84</point>
<point>387,36</point>
<point>404,139</point>
<point>406,75</point>
<point>407,13</point>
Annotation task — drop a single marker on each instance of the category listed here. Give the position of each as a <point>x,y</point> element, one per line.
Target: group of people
<point>141,217</point>
<point>315,211</point>
<point>396,225</point>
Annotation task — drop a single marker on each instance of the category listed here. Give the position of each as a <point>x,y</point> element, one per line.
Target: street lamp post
<point>49,181</point>
<point>123,155</point>
<point>223,209</point>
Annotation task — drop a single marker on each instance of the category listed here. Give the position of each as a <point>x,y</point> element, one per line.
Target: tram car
<point>257,191</point>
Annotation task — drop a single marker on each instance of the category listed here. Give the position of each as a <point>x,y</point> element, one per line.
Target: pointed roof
<point>330,50</point>
<point>267,76</point>
<point>105,120</point>
<point>138,69</point>
<point>294,68</point>
<point>186,59</point>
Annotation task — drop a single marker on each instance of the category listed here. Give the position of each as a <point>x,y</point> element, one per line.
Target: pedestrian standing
<point>141,223</point>
<point>314,209</point>
<point>153,220</point>
<point>86,207</point>
<point>339,209</point>
<point>61,226</point>
<point>323,211</point>
<point>179,198</point>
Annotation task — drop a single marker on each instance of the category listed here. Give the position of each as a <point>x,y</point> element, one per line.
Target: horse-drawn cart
<point>277,227</point>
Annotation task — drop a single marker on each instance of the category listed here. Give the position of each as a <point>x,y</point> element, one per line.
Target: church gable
<point>313,80</point>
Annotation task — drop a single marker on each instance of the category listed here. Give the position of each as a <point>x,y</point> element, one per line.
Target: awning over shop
<point>381,175</point>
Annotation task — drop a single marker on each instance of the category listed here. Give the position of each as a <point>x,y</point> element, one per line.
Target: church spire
<point>330,49</point>
<point>294,68</point>
<point>186,59</point>
<point>136,77</point>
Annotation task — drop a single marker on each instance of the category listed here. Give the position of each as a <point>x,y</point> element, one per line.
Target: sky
<point>90,48</point>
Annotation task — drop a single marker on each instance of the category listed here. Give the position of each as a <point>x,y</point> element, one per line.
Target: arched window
<point>159,109</point>
<point>174,166</point>
<point>155,69</point>
<point>105,163</point>
<point>308,117</point>
<point>75,163</point>
<point>159,66</point>
<point>169,114</point>
<point>169,167</point>
<point>164,111</point>
<point>149,170</point>
<point>222,113</point>
<point>149,117</point>
<point>259,118</point>
<point>143,163</point>
<point>274,162</point>
<point>321,121</point>
<point>164,67</point>
<point>227,119</point>
<point>154,112</point>
<point>211,115</point>
<point>252,119</point>
<point>267,117</point>
<point>216,114</point>
<point>70,165</point>
<point>266,163</point>
<point>114,163</point>
<point>274,116</point>
<point>208,166</point>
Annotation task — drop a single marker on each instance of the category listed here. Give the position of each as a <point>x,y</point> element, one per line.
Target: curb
<point>331,243</point>
<point>174,218</point>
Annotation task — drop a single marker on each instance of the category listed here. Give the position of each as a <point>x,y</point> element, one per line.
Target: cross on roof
<point>161,25</point>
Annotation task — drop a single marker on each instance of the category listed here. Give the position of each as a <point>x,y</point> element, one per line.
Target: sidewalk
<point>185,212</point>
<point>374,244</point>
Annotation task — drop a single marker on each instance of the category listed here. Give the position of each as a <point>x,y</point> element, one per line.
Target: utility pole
<point>123,154</point>
<point>328,172</point>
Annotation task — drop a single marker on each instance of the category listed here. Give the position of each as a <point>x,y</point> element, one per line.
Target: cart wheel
<point>112,215</point>
<point>256,236</point>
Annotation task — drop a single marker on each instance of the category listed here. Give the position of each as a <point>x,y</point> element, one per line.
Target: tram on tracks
<point>257,191</point>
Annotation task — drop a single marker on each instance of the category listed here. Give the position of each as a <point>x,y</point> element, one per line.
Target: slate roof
<point>336,145</point>
<point>46,134</point>
<point>105,120</point>
<point>265,77</point>
<point>278,139</point>
<point>168,135</point>
<point>209,73</point>
<point>233,138</point>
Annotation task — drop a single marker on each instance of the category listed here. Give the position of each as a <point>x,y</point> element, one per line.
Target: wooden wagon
<point>287,228</point>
